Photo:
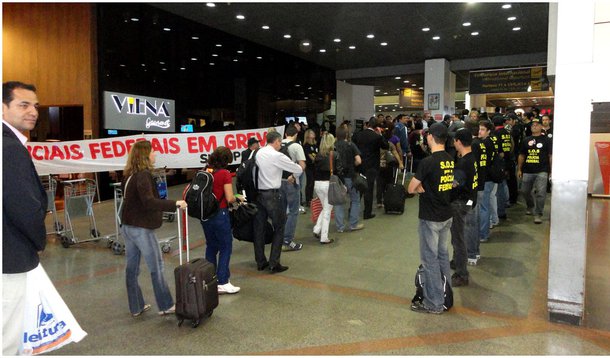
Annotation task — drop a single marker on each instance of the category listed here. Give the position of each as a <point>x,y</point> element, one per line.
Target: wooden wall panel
<point>53,47</point>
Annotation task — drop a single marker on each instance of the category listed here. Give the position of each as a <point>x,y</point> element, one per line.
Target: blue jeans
<point>219,243</point>
<point>354,210</point>
<point>502,198</point>
<point>484,204</point>
<point>533,188</point>
<point>471,232</point>
<point>143,242</point>
<point>292,195</point>
<point>434,255</point>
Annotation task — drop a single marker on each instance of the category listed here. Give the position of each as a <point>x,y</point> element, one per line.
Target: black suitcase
<point>395,195</point>
<point>196,282</point>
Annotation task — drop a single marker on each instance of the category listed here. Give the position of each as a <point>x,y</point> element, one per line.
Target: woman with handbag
<point>390,160</point>
<point>326,163</point>
<point>141,214</point>
<point>310,147</point>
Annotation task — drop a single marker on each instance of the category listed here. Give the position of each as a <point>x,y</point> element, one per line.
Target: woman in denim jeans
<point>142,213</point>
<point>217,229</point>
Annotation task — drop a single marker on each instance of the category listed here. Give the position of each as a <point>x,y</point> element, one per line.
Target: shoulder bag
<point>337,192</point>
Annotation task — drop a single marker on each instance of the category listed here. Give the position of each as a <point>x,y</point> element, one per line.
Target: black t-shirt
<point>436,175</point>
<point>309,149</point>
<point>347,152</point>
<point>491,150</point>
<point>466,177</point>
<point>479,150</point>
<point>505,142</point>
<point>536,150</point>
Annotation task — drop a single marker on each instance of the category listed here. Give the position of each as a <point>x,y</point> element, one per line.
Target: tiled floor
<point>350,297</point>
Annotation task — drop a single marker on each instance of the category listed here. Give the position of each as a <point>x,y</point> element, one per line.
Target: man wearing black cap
<point>253,144</point>
<point>433,182</point>
<point>534,169</point>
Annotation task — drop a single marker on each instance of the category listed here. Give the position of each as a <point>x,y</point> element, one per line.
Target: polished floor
<point>350,297</point>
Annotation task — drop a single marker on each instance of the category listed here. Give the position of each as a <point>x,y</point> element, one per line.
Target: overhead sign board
<point>411,98</point>
<point>138,113</point>
<point>508,80</point>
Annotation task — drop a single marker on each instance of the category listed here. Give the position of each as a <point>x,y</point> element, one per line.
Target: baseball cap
<point>252,140</point>
<point>438,130</point>
<point>535,120</point>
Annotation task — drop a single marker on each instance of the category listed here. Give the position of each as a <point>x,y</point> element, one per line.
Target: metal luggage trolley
<point>78,201</point>
<point>50,187</point>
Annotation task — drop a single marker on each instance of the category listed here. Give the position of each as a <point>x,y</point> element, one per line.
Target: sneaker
<point>419,307</point>
<point>491,226</point>
<point>478,257</point>
<point>484,240</point>
<point>302,210</point>
<point>144,309</point>
<point>358,227</point>
<point>529,212</point>
<point>340,231</point>
<point>227,288</point>
<point>538,219</point>
<point>170,310</point>
<point>293,246</point>
<point>457,280</point>
<point>472,262</point>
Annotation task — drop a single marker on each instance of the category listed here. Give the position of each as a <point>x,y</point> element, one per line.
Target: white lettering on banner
<point>160,124</point>
<point>175,150</point>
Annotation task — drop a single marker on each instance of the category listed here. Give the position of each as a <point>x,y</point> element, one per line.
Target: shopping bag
<point>316,209</point>
<point>48,322</point>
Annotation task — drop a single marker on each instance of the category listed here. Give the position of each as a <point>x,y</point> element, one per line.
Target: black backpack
<point>284,149</point>
<point>247,177</point>
<point>201,201</point>
<point>419,289</point>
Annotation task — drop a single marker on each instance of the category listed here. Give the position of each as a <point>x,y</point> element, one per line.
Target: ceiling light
<point>370,36</point>
<point>164,69</point>
<point>377,90</point>
<point>214,55</point>
<point>507,6</point>
<point>182,68</point>
<point>259,58</point>
<point>287,36</point>
<point>414,85</point>
<point>306,44</point>
<point>297,85</point>
<point>211,63</point>
<point>421,88</point>
<point>167,29</point>
<point>218,45</point>
<point>398,89</point>
<point>234,60</point>
<point>135,19</point>
<point>466,24</point>
<point>161,63</point>
<point>425,29</point>
<point>385,92</point>
<point>512,18</point>
<point>384,44</point>
<point>436,38</point>
<point>476,33</point>
<point>193,58</point>
<point>122,65</point>
<point>195,37</point>
<point>516,28</point>
<point>143,64</point>
<point>322,50</point>
<point>337,40</point>
<point>305,97</point>
<point>405,81</point>
<point>240,17</point>
<point>352,47</point>
<point>240,51</point>
<point>265,27</point>
<point>210,4</point>
<point>397,77</point>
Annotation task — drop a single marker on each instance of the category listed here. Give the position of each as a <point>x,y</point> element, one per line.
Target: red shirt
<point>221,177</point>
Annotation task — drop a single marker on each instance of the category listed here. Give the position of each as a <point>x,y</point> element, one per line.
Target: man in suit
<point>369,142</point>
<point>24,206</point>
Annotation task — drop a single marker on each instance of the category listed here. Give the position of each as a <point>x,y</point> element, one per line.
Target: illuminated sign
<point>138,113</point>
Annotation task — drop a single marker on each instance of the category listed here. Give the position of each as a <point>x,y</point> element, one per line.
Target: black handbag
<point>242,213</point>
<point>360,183</point>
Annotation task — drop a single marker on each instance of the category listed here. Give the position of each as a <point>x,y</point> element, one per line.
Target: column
<point>354,102</point>
<point>439,88</point>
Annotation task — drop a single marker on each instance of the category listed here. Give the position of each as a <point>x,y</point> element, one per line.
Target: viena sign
<point>138,113</point>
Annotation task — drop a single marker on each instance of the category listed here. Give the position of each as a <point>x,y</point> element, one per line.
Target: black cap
<point>438,130</point>
<point>536,120</point>
<point>252,140</point>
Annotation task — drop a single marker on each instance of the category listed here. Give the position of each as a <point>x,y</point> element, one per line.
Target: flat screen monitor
<point>186,128</point>
<point>302,120</point>
<point>113,132</point>
<point>290,119</point>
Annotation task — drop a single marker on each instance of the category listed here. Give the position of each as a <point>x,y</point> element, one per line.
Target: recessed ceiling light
<point>516,28</point>
<point>265,27</point>
<point>240,51</point>
<point>377,90</point>
<point>164,69</point>
<point>370,36</point>
<point>210,4</point>
<point>405,81</point>
<point>425,29</point>
<point>398,89</point>
<point>122,65</point>
<point>507,6</point>
<point>337,40</point>
<point>421,88</point>
<point>211,63</point>
<point>476,33</point>
<point>414,85</point>
<point>240,17</point>
<point>143,64</point>
<point>234,60</point>
<point>322,50</point>
<point>305,43</point>
<point>259,58</point>
<point>352,47</point>
<point>397,77</point>
<point>297,85</point>
<point>436,38</point>
<point>305,97</point>
<point>466,24</point>
<point>384,44</point>
<point>182,68</point>
<point>193,58</point>
<point>512,18</point>
<point>218,45</point>
<point>167,29</point>
<point>214,55</point>
<point>385,92</point>
<point>287,36</point>
<point>135,19</point>
<point>195,37</point>
<point>161,63</point>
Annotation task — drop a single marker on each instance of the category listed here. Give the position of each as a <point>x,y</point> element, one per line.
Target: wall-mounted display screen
<point>186,128</point>
<point>138,113</point>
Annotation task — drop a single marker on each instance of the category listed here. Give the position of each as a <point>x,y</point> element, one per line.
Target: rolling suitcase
<point>395,195</point>
<point>196,282</point>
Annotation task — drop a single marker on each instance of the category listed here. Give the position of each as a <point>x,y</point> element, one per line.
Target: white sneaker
<point>472,262</point>
<point>227,288</point>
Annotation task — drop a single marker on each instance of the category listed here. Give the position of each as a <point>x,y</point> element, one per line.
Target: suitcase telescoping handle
<point>404,175</point>
<point>183,233</point>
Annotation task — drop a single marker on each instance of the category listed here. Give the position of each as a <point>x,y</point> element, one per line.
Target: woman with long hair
<point>217,229</point>
<point>322,177</point>
<point>310,147</point>
<point>142,213</point>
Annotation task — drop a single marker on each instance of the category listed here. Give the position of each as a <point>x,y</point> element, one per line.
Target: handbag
<point>360,183</point>
<point>49,324</point>
<point>242,213</point>
<point>316,209</point>
<point>390,159</point>
<point>337,192</point>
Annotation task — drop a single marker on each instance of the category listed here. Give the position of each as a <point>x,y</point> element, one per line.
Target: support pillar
<point>354,102</point>
<point>439,88</point>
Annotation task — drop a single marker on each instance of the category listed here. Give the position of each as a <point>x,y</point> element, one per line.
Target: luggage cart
<point>78,202</point>
<point>50,186</point>
<point>117,244</point>
<point>161,182</point>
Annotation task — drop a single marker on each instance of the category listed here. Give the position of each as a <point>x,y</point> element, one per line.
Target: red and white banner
<point>175,151</point>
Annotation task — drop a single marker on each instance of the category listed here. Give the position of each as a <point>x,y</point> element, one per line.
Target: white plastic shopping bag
<point>49,324</point>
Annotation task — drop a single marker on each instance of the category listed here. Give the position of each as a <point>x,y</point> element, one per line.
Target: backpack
<point>496,169</point>
<point>247,177</point>
<point>419,289</point>
<point>201,201</point>
<point>284,149</point>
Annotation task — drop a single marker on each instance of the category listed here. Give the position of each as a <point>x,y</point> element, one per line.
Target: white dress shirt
<point>270,164</point>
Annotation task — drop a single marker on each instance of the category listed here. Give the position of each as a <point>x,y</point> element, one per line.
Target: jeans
<point>292,196</point>
<point>271,205</point>
<point>143,242</point>
<point>219,243</point>
<point>321,227</point>
<point>458,240</point>
<point>484,203</point>
<point>434,255</point>
<point>371,176</point>
<point>471,232</point>
<point>354,209</point>
<point>493,205</point>
<point>533,188</point>
<point>502,198</point>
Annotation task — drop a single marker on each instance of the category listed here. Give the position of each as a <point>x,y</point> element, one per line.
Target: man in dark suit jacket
<point>24,206</point>
<point>369,141</point>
